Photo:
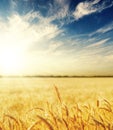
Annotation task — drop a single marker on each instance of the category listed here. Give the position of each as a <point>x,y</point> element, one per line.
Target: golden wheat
<point>29,112</point>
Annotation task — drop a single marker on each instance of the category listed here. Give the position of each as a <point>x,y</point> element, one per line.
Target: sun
<point>11,62</point>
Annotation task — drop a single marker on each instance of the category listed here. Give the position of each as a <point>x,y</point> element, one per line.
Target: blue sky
<point>58,37</point>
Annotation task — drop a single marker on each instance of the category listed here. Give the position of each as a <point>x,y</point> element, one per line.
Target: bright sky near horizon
<point>58,37</point>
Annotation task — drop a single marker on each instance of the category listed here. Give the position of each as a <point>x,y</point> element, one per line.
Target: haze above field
<point>56,37</point>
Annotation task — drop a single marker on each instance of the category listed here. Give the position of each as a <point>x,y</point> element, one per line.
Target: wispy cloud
<point>40,41</point>
<point>96,44</point>
<point>19,30</point>
<point>21,34</point>
<point>36,42</point>
<point>60,8</point>
<point>59,11</point>
<point>102,30</point>
<point>13,5</point>
<point>90,7</point>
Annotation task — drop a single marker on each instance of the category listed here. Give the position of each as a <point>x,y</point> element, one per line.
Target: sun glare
<point>10,62</point>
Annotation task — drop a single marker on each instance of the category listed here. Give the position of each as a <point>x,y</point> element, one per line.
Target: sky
<point>56,37</point>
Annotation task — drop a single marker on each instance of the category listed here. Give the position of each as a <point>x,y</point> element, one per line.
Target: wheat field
<point>56,103</point>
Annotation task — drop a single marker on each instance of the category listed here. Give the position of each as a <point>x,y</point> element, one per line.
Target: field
<point>56,103</point>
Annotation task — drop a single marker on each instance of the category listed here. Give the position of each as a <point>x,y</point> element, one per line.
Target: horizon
<point>59,38</point>
<point>56,76</point>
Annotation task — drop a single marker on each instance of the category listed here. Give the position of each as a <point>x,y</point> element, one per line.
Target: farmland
<point>56,103</point>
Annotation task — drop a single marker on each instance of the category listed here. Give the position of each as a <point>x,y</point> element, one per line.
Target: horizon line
<point>56,76</point>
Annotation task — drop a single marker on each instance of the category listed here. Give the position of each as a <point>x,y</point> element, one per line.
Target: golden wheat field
<point>56,103</point>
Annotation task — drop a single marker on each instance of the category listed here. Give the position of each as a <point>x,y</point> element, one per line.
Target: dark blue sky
<point>54,35</point>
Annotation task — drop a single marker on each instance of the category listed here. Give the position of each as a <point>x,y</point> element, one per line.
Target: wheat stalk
<point>58,94</point>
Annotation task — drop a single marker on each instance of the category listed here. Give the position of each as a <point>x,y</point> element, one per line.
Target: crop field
<point>56,103</point>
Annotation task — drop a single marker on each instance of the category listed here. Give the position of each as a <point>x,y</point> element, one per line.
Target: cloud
<point>13,5</point>
<point>62,7</point>
<point>59,11</point>
<point>21,31</point>
<point>22,35</point>
<point>39,41</point>
<point>90,7</point>
<point>96,44</point>
<point>84,8</point>
<point>105,29</point>
<point>94,61</point>
<point>36,42</point>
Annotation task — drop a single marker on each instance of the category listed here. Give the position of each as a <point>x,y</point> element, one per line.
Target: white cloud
<point>18,34</point>
<point>105,29</point>
<point>59,10</point>
<point>89,7</point>
<point>36,44</point>
<point>61,2</point>
<point>94,61</point>
<point>63,6</point>
<point>83,8</point>
<point>18,30</point>
<point>96,44</point>
<point>13,5</point>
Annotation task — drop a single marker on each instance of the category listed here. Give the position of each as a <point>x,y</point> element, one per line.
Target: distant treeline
<point>54,76</point>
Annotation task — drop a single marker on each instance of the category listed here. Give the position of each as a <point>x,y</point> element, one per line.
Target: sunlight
<point>11,61</point>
